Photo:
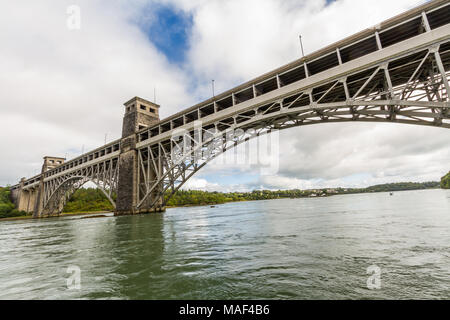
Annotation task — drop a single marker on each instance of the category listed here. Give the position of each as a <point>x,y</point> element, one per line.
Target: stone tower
<point>51,162</point>
<point>139,114</point>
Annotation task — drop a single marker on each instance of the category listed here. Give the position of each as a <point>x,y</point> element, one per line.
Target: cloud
<point>62,89</point>
<point>233,41</point>
<point>204,185</point>
<point>200,184</point>
<point>330,151</point>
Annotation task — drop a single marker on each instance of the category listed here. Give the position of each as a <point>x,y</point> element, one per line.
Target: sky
<point>62,88</point>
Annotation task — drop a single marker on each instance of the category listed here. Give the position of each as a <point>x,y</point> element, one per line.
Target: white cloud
<point>204,185</point>
<point>200,184</point>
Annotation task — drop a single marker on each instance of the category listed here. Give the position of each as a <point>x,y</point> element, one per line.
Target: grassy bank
<point>64,214</point>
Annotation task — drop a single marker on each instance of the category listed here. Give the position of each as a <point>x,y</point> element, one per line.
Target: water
<point>275,249</point>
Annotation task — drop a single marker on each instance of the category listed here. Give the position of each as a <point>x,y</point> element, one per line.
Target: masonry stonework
<point>139,114</point>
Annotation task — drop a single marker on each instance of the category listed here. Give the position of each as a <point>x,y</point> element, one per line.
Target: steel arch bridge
<point>396,72</point>
<point>59,190</point>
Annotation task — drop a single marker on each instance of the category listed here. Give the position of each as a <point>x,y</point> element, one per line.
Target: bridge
<point>397,71</point>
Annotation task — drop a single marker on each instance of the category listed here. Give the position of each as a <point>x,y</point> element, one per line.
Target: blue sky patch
<point>169,31</point>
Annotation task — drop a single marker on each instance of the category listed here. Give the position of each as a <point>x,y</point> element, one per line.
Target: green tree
<point>7,208</point>
<point>445,181</point>
<point>88,200</point>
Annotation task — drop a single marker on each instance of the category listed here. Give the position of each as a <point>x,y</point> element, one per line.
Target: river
<point>311,248</point>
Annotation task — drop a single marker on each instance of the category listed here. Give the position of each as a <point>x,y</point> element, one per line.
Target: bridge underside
<point>410,90</point>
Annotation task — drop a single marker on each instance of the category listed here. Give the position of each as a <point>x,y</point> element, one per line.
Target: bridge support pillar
<point>139,114</point>
<point>49,163</point>
<point>39,204</point>
<point>126,202</point>
<point>17,195</point>
<point>23,198</point>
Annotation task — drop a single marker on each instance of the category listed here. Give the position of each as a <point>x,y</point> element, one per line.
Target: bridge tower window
<point>144,115</point>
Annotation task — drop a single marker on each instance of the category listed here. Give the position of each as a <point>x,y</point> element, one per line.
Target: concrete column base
<point>141,211</point>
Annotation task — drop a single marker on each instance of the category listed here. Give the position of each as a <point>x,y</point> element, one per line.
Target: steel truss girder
<point>58,191</point>
<point>421,98</point>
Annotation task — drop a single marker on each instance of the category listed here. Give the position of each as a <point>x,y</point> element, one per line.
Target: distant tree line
<point>400,186</point>
<point>92,199</point>
<point>195,197</point>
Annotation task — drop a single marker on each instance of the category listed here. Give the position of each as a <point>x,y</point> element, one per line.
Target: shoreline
<point>65,214</point>
<point>90,213</point>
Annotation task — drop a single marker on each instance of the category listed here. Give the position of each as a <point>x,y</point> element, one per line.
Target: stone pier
<point>139,114</point>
